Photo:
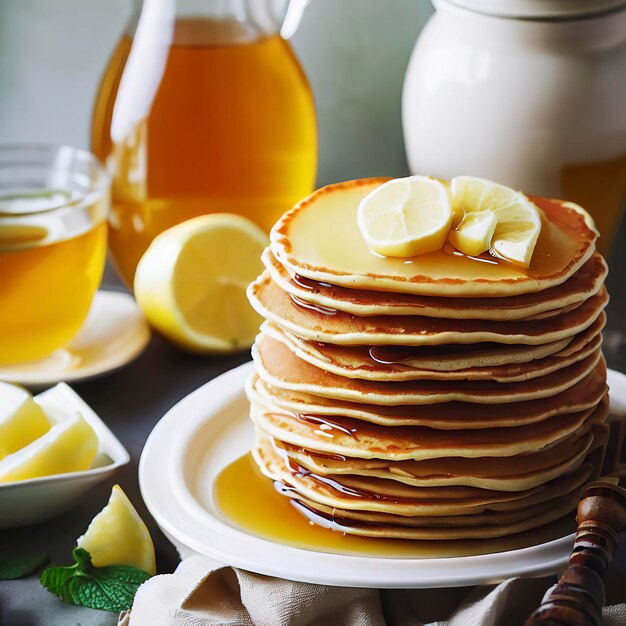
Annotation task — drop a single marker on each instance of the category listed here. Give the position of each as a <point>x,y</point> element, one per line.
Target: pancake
<point>451,523</point>
<point>584,395</point>
<point>518,473</point>
<point>553,312</point>
<point>357,362</point>
<point>441,396</point>
<point>341,328</point>
<point>573,292</point>
<point>354,438</point>
<point>278,366</point>
<point>461,356</point>
<point>319,239</point>
<point>344,499</point>
<point>375,495</point>
<point>560,508</point>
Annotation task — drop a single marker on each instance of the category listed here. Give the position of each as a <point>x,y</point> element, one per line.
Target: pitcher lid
<point>539,9</point>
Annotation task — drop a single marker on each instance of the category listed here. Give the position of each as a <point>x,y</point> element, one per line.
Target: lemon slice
<point>69,446</point>
<point>474,233</point>
<point>191,282</point>
<point>518,219</point>
<point>21,234</point>
<point>22,420</point>
<point>118,536</point>
<point>406,217</point>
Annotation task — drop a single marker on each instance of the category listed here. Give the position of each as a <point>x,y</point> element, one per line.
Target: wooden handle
<point>578,596</point>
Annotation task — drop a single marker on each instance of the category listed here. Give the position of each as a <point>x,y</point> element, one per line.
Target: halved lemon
<point>518,219</point>
<point>406,216</point>
<point>69,446</point>
<point>474,232</point>
<point>118,536</point>
<point>191,282</point>
<point>22,420</point>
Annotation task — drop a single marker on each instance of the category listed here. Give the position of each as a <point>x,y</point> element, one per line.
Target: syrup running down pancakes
<point>436,397</point>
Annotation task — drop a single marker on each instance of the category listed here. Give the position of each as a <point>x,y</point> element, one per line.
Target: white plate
<point>33,501</point>
<point>210,428</point>
<point>114,333</point>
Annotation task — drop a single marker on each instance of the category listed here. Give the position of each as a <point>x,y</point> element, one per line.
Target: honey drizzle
<point>389,355</point>
<point>279,445</point>
<point>311,285</point>
<point>352,492</point>
<point>452,251</point>
<point>250,501</point>
<point>318,308</point>
<point>325,423</point>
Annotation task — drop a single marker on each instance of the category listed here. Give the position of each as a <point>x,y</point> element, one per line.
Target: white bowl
<point>37,500</point>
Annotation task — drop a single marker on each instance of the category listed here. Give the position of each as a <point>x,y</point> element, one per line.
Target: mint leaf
<point>18,567</point>
<point>55,579</point>
<point>110,588</point>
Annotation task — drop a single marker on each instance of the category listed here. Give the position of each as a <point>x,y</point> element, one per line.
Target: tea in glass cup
<point>54,202</point>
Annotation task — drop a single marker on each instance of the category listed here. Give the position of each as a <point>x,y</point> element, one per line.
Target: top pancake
<point>320,240</point>
<point>585,283</point>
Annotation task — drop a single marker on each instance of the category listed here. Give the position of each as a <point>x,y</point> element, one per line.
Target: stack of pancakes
<point>437,397</point>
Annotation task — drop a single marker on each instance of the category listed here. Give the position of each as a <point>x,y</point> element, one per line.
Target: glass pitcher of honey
<point>203,108</point>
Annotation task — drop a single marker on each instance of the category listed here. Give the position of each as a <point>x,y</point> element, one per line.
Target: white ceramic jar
<point>531,93</point>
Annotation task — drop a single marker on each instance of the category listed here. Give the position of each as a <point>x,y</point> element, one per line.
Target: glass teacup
<point>54,202</point>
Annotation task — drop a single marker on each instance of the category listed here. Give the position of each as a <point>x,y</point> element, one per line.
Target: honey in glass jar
<point>204,108</point>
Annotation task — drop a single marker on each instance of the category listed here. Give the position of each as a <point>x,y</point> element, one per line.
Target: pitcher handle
<point>293,17</point>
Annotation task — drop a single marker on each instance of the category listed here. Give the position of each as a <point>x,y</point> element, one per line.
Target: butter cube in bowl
<point>53,448</point>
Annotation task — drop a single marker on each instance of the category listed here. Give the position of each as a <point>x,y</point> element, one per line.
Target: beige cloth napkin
<point>203,592</point>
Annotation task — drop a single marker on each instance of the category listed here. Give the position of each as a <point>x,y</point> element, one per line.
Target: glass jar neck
<point>247,19</point>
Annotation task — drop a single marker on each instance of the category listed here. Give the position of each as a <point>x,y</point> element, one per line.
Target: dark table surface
<point>131,401</point>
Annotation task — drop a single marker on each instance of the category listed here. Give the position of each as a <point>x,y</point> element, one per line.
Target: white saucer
<point>114,333</point>
<point>210,428</point>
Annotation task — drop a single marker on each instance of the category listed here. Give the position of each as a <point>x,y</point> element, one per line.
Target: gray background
<point>354,52</point>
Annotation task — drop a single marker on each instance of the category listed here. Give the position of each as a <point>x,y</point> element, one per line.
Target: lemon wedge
<point>22,420</point>
<point>474,232</point>
<point>518,219</point>
<point>191,282</point>
<point>69,446</point>
<point>20,234</point>
<point>406,217</point>
<point>118,536</point>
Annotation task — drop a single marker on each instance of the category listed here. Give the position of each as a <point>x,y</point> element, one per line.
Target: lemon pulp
<point>69,446</point>
<point>22,420</point>
<point>191,282</point>
<point>474,233</point>
<point>406,216</point>
<point>118,536</point>
<point>518,221</point>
